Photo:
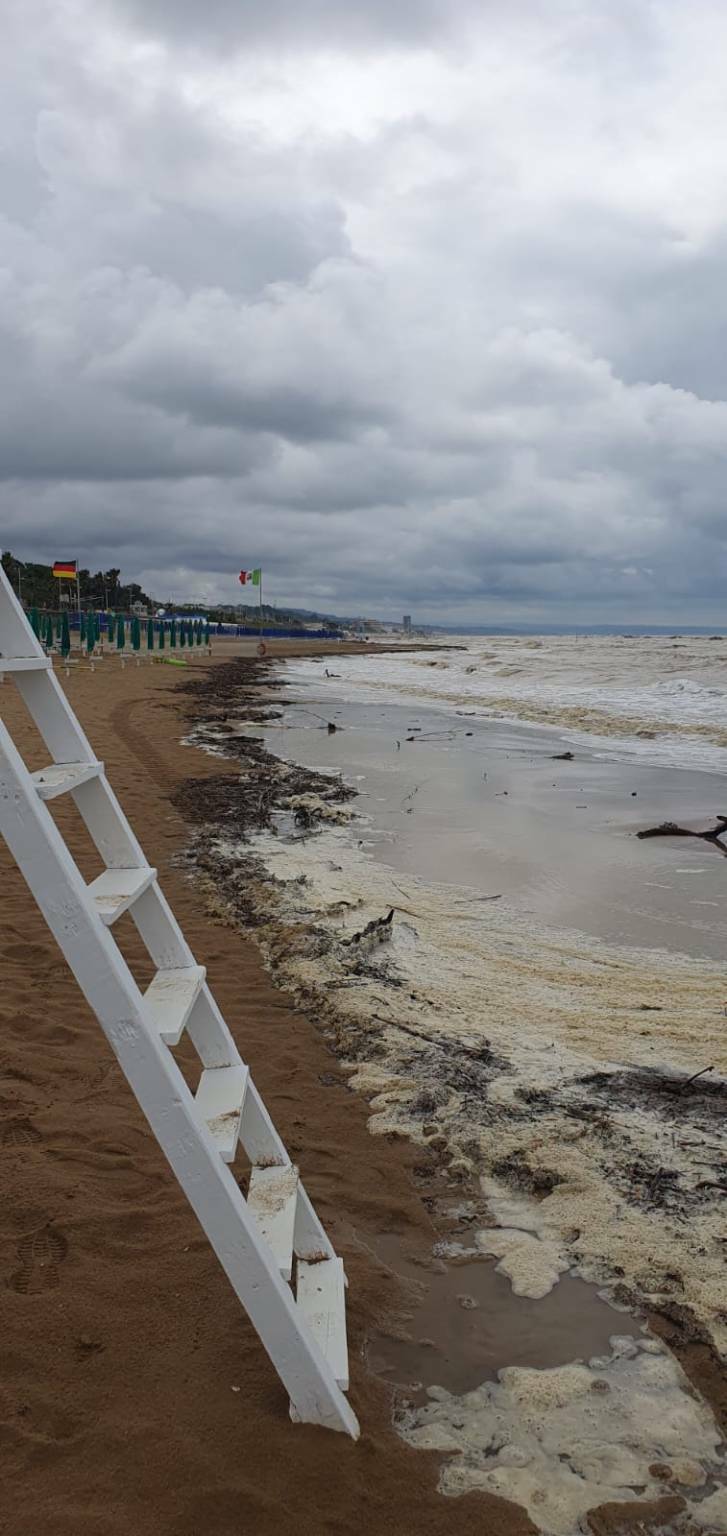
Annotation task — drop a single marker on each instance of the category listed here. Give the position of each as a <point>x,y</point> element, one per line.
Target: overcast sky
<point>418,304</point>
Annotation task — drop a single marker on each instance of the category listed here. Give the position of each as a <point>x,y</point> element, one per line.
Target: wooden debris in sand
<point>670,829</point>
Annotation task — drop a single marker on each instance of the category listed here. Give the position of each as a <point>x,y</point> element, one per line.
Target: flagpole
<point>78,600</point>
<point>261,602</point>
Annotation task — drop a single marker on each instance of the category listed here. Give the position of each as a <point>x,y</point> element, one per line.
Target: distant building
<point>407,624</point>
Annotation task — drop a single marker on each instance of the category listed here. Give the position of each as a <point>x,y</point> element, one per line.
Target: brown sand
<point>122,1341</point>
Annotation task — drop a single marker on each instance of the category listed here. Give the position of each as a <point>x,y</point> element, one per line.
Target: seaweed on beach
<point>246,802</point>
<point>672,1095</point>
<point>518,1172</point>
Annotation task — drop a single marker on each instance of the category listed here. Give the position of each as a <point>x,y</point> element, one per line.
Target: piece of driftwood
<point>693,1079</point>
<point>670,829</point>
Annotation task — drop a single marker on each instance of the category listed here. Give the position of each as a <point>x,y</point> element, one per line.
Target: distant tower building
<point>407,623</point>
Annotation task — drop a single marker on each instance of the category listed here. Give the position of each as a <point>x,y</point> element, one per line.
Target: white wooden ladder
<point>271,1238</point>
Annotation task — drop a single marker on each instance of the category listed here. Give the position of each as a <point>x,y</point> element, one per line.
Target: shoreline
<point>114,1407</point>
<point>272,788</point>
<point>675,716</point>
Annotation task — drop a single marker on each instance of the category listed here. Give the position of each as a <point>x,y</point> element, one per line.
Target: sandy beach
<point>123,1346</point>
<point>135,1395</point>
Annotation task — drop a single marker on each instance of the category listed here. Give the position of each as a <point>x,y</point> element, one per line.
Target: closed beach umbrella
<point>199,631</point>
<point>135,633</point>
<point>173,635</point>
<point>82,621</point>
<point>120,631</point>
<point>182,633</point>
<point>34,617</point>
<point>162,633</point>
<point>150,634</point>
<point>90,632</point>
<point>49,629</point>
<point>65,635</point>
<point>207,633</point>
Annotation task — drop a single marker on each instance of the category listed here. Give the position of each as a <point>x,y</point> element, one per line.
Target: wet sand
<point>490,806</point>
<point>463,1325</point>
<point>122,1341</point>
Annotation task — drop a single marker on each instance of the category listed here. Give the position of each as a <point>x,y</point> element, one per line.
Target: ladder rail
<point>158,1085</point>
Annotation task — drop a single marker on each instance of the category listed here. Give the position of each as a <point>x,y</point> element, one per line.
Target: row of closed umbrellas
<point>55,630</point>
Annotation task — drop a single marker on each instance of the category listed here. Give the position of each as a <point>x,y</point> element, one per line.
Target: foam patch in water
<point>562,1441</point>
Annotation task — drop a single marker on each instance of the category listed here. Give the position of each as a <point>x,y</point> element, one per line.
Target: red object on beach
<point>244,576</point>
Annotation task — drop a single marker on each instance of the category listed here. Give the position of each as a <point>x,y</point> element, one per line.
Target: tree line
<point>37,587</point>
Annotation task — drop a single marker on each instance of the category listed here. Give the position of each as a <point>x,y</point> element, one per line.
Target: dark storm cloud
<point>328,23</point>
<point>425,317</point>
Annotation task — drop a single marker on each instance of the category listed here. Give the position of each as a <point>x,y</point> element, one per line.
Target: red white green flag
<point>253,576</point>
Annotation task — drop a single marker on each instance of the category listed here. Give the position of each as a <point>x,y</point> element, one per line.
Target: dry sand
<point>122,1341</point>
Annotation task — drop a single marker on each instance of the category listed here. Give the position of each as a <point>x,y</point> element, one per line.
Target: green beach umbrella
<point>150,634</point>
<point>90,632</point>
<point>182,633</point>
<point>162,634</point>
<point>173,634</point>
<point>207,632</point>
<point>120,632</point>
<point>199,631</point>
<point>34,618</point>
<point>65,635</point>
<point>135,633</point>
<point>83,627</point>
<point>49,629</point>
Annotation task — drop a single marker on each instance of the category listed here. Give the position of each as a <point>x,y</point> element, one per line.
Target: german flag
<point>65,570</point>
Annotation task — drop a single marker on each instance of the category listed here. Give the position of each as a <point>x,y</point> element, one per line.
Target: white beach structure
<point>273,1237</point>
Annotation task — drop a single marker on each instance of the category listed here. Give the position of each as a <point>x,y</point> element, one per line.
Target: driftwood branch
<point>670,829</point>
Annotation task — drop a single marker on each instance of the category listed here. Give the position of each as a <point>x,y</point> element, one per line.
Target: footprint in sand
<point>19,1133</point>
<point>30,954</point>
<point>40,1254</point>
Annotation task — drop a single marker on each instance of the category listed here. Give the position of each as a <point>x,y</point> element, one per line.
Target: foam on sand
<point>473,1027</point>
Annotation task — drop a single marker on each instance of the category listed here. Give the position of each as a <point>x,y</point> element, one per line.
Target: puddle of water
<point>465,1324</point>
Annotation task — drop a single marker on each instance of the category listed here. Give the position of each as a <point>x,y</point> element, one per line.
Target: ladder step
<point>115,890</point>
<point>219,1099</point>
<point>272,1197</point>
<point>25,663</point>
<point>321,1297</point>
<point>170,998</point>
<point>58,778</point>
